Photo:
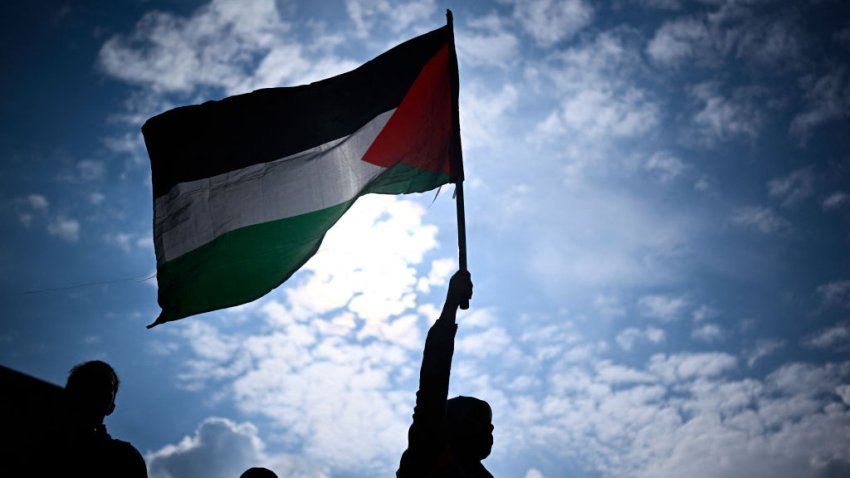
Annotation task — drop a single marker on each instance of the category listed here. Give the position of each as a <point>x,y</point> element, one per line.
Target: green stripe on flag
<point>241,265</point>
<point>404,179</point>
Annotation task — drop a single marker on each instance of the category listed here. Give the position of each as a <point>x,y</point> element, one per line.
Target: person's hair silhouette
<point>83,447</point>
<point>91,389</point>
<point>448,438</point>
<point>258,472</point>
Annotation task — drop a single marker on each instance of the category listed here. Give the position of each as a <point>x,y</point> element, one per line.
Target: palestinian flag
<point>245,188</point>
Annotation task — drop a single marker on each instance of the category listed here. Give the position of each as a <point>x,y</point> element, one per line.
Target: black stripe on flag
<point>199,141</point>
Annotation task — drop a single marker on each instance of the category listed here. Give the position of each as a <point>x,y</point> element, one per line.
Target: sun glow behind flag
<point>245,188</point>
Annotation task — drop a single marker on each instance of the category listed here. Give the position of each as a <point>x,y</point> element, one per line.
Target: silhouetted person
<point>258,472</point>
<point>83,447</point>
<point>448,438</point>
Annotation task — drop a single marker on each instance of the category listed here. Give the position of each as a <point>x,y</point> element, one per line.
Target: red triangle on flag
<point>419,132</point>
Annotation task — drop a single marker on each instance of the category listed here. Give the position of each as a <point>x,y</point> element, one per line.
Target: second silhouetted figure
<point>82,446</point>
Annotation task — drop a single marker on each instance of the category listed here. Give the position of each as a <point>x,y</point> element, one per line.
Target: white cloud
<point>441,270</point>
<point>226,44</point>
<point>609,306</point>
<point>38,202</point>
<point>96,198</point>
<point>664,166</point>
<point>64,228</point>
<point>680,40</point>
<point>533,473</point>
<point>25,218</point>
<point>30,207</point>
<point>550,341</point>
<point>165,53</point>
<point>120,239</point>
<point>708,333</point>
<point>596,96</point>
<point>328,393</point>
<point>221,448</point>
<point>702,184</point>
<point>326,397</point>
<point>601,112</point>
<point>827,99</point>
<point>704,312</point>
<point>396,16</point>
<point>835,293</point>
<point>684,415</point>
<point>366,261</point>
<point>477,318</point>
<point>690,366</point>
<point>836,337</point>
<point>844,392</point>
<point>127,241</point>
<point>720,117</point>
<point>487,42</point>
<point>761,219</point>
<point>609,59</point>
<point>611,373</point>
<point>836,200</point>
<point>742,447</point>
<point>289,64</point>
<point>161,348</point>
<point>208,344</point>
<point>795,187</point>
<point>131,143</point>
<point>145,241</point>
<point>733,32</point>
<point>90,170</point>
<point>627,338</point>
<point>807,380</point>
<point>493,341</point>
<point>483,114</point>
<point>551,21</point>
<point>768,41</point>
<point>662,307</point>
<point>762,349</point>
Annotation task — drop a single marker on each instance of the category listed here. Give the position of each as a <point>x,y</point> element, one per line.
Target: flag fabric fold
<point>245,188</point>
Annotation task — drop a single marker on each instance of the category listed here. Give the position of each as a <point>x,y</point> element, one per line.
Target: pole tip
<point>449,16</point>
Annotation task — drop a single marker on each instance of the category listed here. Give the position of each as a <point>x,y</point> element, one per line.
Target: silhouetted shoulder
<point>126,459</point>
<point>93,455</point>
<point>104,456</point>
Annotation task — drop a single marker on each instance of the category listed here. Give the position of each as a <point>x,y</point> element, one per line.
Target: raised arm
<point>439,348</point>
<point>427,435</point>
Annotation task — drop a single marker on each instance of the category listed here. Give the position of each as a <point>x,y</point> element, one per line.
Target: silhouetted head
<point>470,423</point>
<point>91,389</point>
<point>258,473</point>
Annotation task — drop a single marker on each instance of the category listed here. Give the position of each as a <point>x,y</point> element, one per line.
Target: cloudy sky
<point>658,211</point>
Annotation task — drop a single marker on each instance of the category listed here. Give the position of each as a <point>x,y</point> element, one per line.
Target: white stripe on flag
<point>196,212</point>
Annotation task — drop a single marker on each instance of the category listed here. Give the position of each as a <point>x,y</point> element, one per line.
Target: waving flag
<point>245,188</point>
